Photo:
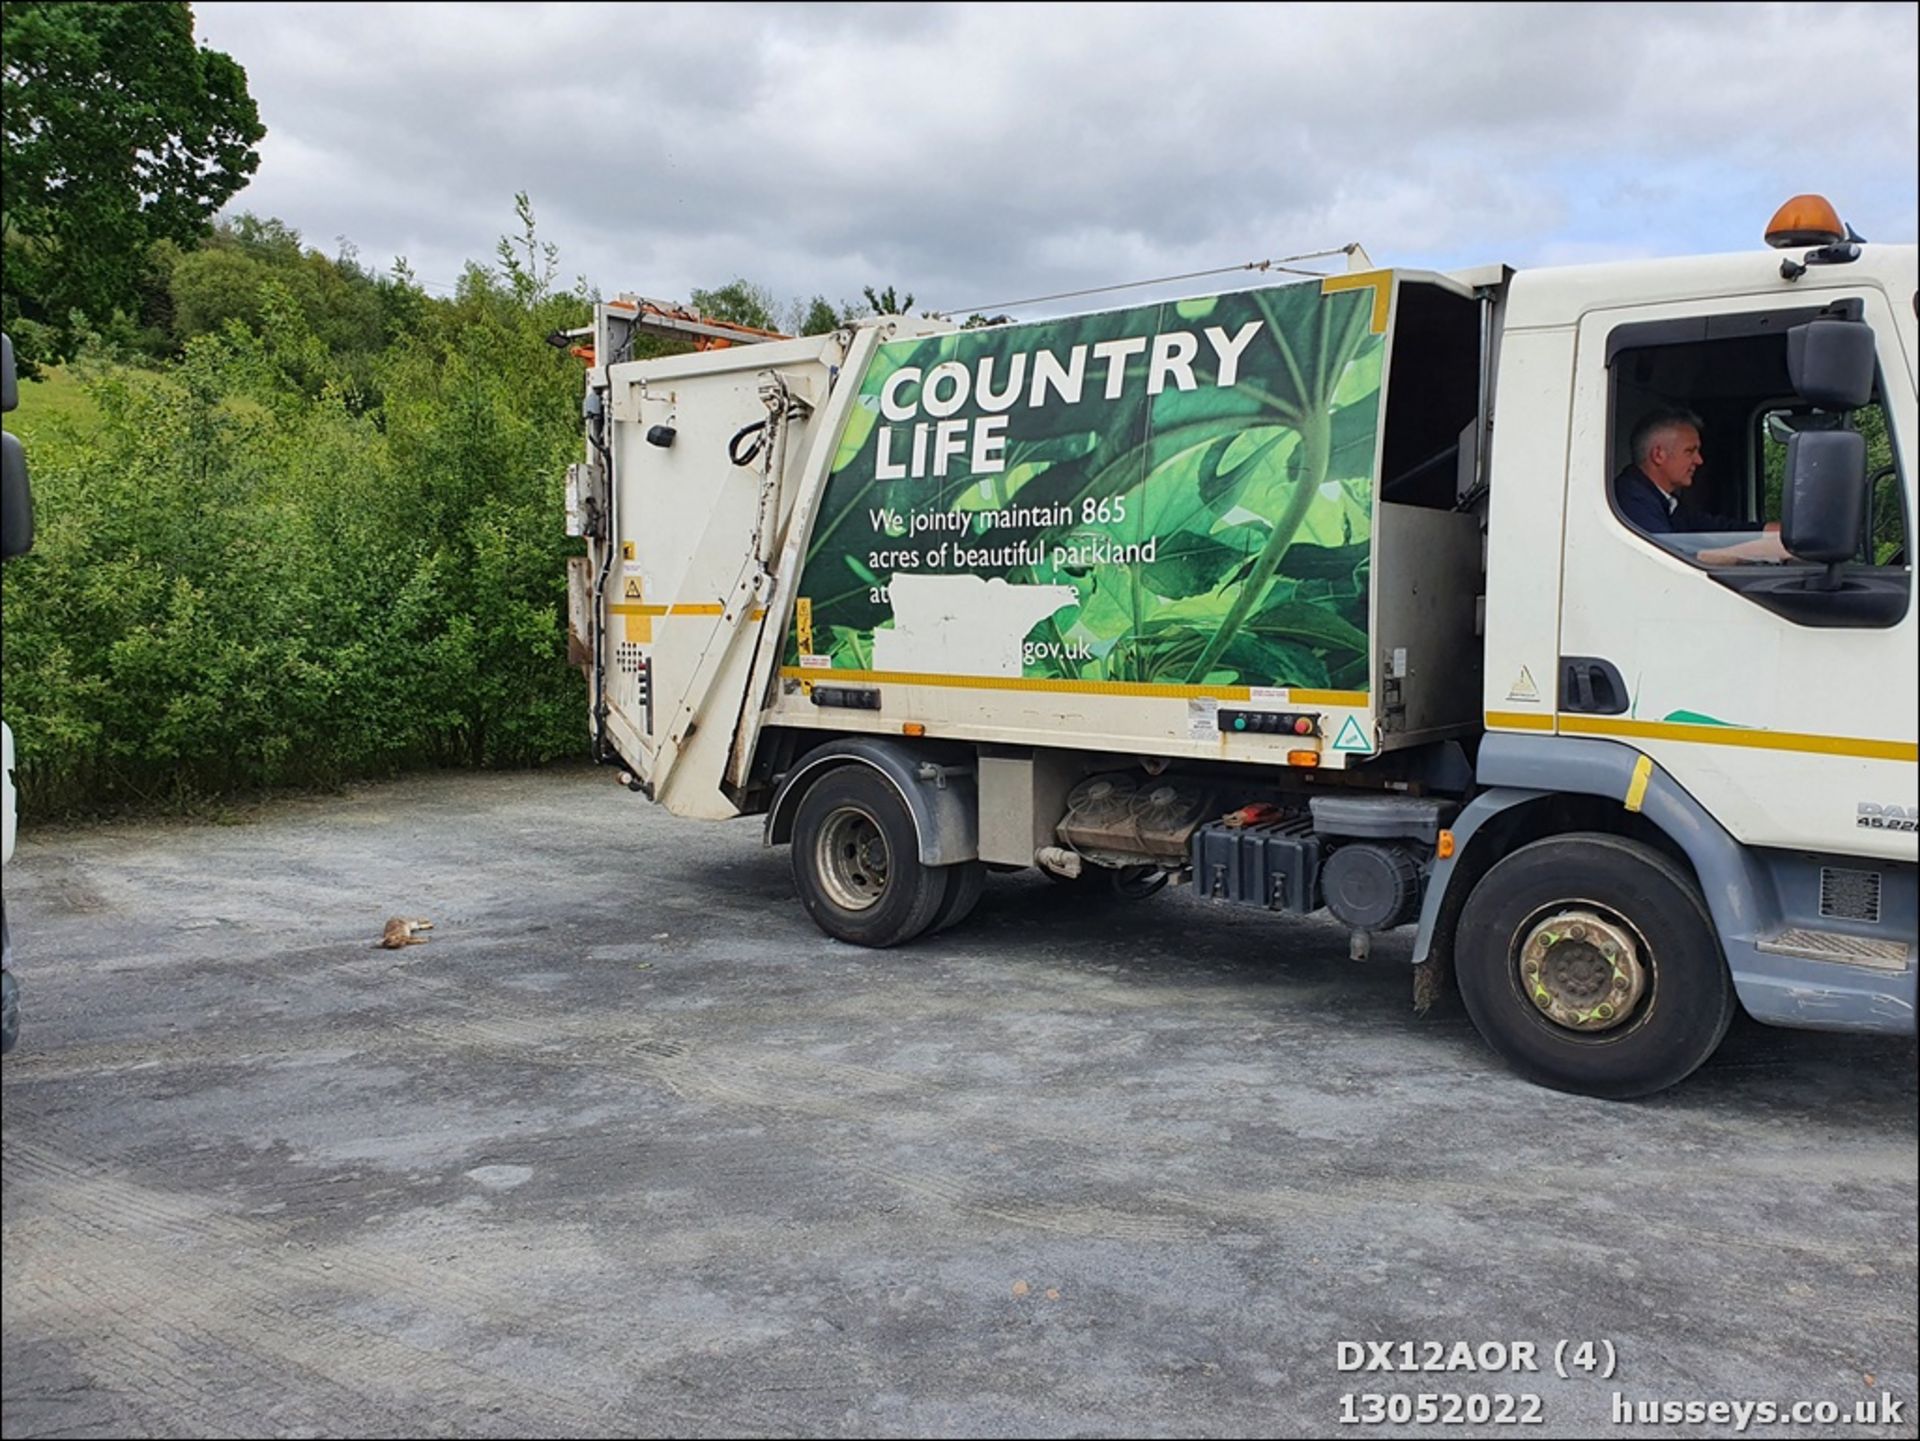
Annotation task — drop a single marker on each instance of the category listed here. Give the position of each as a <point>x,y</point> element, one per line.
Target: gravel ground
<point>630,1147</point>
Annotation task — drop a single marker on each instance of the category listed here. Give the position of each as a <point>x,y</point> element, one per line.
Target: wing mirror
<point>1823,507</point>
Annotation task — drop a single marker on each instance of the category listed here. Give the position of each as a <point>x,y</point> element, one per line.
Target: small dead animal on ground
<point>401,932</point>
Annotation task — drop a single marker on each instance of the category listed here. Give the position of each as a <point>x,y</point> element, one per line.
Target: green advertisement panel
<point>1177,495</point>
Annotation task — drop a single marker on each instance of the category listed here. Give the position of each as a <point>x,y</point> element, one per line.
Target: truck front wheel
<point>856,861</point>
<point>1590,964</point>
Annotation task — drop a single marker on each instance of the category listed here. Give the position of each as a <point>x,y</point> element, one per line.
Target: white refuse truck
<point>1322,596</point>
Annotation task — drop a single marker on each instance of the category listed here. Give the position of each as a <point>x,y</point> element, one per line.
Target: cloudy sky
<point>980,154</point>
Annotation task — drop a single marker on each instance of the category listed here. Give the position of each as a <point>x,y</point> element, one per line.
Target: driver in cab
<point>1666,453</point>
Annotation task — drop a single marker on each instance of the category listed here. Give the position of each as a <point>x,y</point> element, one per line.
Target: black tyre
<point>1137,883</point>
<point>1590,964</point>
<point>965,883</point>
<point>9,1012</point>
<point>856,861</point>
<point>1128,883</point>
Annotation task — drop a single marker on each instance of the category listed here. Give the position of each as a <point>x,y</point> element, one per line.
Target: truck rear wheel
<point>1128,883</point>
<point>1590,964</point>
<point>966,883</point>
<point>856,861</point>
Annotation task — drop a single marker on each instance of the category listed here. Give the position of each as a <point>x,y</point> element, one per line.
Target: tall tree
<point>816,317</point>
<point>740,301</point>
<point>885,302</point>
<point>118,131</point>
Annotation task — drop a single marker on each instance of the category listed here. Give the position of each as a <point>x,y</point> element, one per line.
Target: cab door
<point>1781,723</point>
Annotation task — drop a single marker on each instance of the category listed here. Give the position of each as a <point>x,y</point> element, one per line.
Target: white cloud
<point>974,152</point>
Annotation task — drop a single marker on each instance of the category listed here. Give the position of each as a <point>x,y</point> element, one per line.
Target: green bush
<point>323,540</point>
<point>242,579</point>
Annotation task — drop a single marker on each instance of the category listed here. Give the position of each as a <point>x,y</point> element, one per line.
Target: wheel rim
<point>1582,970</point>
<point>853,860</point>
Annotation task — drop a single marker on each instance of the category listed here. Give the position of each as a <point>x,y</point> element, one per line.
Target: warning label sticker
<point>1352,738</point>
<point>803,629</point>
<point>1524,688</point>
<point>1203,719</point>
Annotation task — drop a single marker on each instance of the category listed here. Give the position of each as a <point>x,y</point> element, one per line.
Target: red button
<point>1303,727</point>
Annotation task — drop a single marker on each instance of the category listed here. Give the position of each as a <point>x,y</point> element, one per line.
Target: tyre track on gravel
<point>771,1086</point>
<point>153,1266</point>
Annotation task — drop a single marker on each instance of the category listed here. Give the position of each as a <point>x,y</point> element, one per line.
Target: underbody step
<point>1832,946</point>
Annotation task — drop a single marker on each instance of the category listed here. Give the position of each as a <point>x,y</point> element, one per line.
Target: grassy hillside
<point>57,401</point>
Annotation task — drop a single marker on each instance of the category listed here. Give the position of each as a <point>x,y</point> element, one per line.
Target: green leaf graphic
<point>1213,534</point>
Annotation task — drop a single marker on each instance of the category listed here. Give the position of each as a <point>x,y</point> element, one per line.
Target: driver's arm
<point>1764,549</point>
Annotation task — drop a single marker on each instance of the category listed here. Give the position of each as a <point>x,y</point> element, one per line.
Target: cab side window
<point>1727,377</point>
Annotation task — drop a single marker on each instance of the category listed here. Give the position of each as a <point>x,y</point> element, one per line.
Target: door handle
<point>1591,686</point>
